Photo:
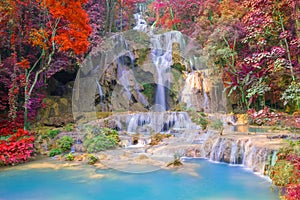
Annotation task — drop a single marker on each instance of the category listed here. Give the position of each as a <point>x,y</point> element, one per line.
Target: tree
<point>36,32</point>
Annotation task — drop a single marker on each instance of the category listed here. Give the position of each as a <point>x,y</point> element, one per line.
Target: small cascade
<point>127,79</point>
<point>124,75</point>
<point>205,96</point>
<point>162,62</point>
<point>274,158</point>
<point>101,95</point>
<point>235,152</point>
<point>155,122</point>
<point>141,24</point>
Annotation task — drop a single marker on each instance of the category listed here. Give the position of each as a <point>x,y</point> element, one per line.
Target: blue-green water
<point>215,182</point>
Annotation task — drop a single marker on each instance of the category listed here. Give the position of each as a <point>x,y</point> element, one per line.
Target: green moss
<point>142,56</point>
<point>179,67</point>
<point>149,91</point>
<point>102,115</point>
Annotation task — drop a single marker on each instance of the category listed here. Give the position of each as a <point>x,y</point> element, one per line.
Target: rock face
<point>204,92</point>
<point>57,112</point>
<point>139,72</point>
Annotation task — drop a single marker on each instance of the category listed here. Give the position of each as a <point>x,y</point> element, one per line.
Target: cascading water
<point>234,151</point>
<point>206,99</point>
<point>157,122</point>
<point>101,95</point>
<point>161,54</point>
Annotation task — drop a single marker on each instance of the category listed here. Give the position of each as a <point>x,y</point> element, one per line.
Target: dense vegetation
<point>286,172</point>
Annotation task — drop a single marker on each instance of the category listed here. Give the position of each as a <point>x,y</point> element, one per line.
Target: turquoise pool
<point>214,182</point>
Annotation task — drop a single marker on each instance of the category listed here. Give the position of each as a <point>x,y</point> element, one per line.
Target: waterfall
<point>162,62</point>
<point>157,122</point>
<point>243,151</point>
<point>233,153</point>
<point>101,95</point>
<point>141,24</point>
<point>123,75</point>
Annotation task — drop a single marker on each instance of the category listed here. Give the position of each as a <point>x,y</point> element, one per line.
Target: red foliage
<point>17,148</point>
<point>292,192</point>
<point>266,117</point>
<point>73,28</point>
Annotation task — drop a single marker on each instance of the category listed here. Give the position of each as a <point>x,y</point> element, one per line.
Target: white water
<point>156,122</point>
<point>101,95</point>
<point>235,152</point>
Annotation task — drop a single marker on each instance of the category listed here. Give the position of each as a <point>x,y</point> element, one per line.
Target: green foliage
<point>149,91</point>
<point>282,172</point>
<point>217,125</point>
<point>5,137</point>
<point>52,133</point>
<point>92,159</point>
<point>69,157</point>
<point>292,94</point>
<point>55,152</point>
<point>201,120</point>
<point>69,127</point>
<point>285,172</point>
<point>100,139</point>
<point>178,66</point>
<point>65,143</point>
<point>142,55</point>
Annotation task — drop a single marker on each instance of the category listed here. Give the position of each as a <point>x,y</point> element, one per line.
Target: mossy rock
<point>157,138</point>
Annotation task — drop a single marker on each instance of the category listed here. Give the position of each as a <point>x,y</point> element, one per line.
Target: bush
<point>198,118</point>
<point>100,139</point>
<point>217,125</point>
<point>65,143</point>
<point>286,172</point>
<point>92,159</point>
<point>69,157</point>
<point>176,162</point>
<point>99,143</point>
<point>157,138</point>
<point>69,127</point>
<point>55,152</point>
<point>53,133</point>
<point>15,147</point>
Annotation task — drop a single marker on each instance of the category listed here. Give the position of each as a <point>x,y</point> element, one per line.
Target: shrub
<point>65,143</point>
<point>55,152</point>
<point>53,133</point>
<point>286,172</point>
<point>69,157</point>
<point>69,127</point>
<point>99,143</point>
<point>100,139</point>
<point>15,147</point>
<point>92,159</point>
<point>198,118</point>
<point>217,125</point>
<point>176,162</point>
<point>157,138</point>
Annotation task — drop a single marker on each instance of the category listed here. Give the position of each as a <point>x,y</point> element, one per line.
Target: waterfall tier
<point>253,152</point>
